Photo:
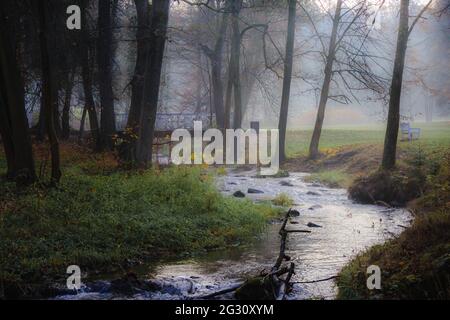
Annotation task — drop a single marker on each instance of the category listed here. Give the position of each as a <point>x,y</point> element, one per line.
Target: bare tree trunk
<point>52,24</point>
<point>40,133</point>
<point>248,83</point>
<point>235,65</point>
<point>233,82</point>
<point>143,33</point>
<point>55,94</point>
<point>6,134</point>
<point>390,140</point>
<point>217,88</point>
<point>429,105</point>
<point>104,60</point>
<point>282,124</point>
<point>198,88</point>
<point>47,92</point>
<point>87,82</point>
<point>82,122</point>
<point>314,145</point>
<point>216,56</point>
<point>228,97</point>
<point>13,120</point>
<point>65,120</point>
<point>143,10</point>
<point>159,21</point>
<point>89,98</point>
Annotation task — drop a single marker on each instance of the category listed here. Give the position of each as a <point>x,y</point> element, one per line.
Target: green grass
<point>100,221</point>
<point>433,135</point>
<point>283,200</point>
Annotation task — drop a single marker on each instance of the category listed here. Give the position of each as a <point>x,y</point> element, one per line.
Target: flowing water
<point>343,229</point>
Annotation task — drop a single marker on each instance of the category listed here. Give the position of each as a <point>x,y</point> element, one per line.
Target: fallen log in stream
<point>267,286</point>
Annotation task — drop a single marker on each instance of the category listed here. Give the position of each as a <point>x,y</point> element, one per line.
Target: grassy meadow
<point>433,135</point>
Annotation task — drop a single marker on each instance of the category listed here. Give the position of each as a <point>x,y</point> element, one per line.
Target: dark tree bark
<point>89,97</point>
<point>390,140</point>
<point>284,110</point>
<point>143,10</point>
<point>13,120</point>
<point>47,92</point>
<point>65,119</point>
<point>55,95</point>
<point>104,60</point>
<point>54,42</point>
<point>159,21</point>
<point>82,123</point>
<point>6,135</point>
<point>143,33</point>
<point>40,126</point>
<point>314,145</point>
<point>86,76</point>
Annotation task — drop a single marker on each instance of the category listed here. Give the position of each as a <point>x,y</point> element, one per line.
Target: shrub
<point>283,200</point>
<point>391,187</point>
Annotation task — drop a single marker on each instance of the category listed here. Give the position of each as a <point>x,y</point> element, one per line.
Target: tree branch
<point>418,17</point>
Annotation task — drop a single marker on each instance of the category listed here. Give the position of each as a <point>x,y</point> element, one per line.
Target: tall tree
<point>314,145</point>
<point>86,75</point>
<point>143,10</point>
<point>104,60</point>
<point>47,91</point>
<point>13,120</point>
<point>235,64</point>
<point>159,21</point>
<point>143,32</point>
<point>57,51</point>
<point>65,118</point>
<point>215,57</point>
<point>393,121</point>
<point>350,64</point>
<point>282,124</point>
<point>234,81</point>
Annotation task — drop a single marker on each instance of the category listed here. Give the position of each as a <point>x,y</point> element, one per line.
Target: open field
<point>434,135</point>
<point>349,152</point>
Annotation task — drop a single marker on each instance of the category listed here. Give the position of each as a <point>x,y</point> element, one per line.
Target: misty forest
<point>358,92</point>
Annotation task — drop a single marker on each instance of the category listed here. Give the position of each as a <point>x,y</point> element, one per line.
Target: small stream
<point>343,229</point>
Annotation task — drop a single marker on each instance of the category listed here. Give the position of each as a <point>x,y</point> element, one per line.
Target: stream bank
<point>340,230</point>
